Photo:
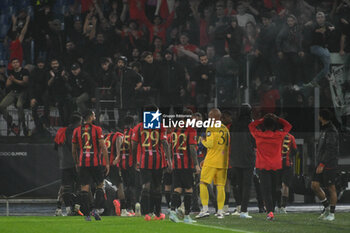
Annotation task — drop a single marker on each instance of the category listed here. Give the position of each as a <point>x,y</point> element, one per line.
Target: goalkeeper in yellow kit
<point>215,164</point>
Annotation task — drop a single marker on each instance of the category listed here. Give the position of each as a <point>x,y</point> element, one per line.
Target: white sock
<point>205,208</point>
<point>220,211</point>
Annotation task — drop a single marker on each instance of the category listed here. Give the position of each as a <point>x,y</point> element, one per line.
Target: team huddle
<point>127,169</point>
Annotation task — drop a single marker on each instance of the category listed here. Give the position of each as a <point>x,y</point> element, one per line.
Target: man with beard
<point>60,91</point>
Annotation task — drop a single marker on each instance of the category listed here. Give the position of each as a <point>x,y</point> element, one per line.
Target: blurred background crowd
<point>119,55</point>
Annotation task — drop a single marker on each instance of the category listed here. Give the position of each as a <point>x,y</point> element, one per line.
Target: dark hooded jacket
<point>242,142</point>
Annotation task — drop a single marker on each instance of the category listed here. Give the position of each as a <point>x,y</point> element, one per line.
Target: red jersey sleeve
<point>99,133</point>
<point>192,133</point>
<point>252,126</point>
<point>75,136</point>
<point>135,135</point>
<point>286,125</point>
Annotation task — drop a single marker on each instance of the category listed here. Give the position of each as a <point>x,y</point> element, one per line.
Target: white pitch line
<point>220,228</point>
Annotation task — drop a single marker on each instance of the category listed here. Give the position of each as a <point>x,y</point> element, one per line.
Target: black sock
<point>284,201</point>
<point>122,204</point>
<point>85,203</point>
<point>227,198</point>
<point>277,200</point>
<point>167,195</point>
<point>325,203</point>
<point>332,209</point>
<point>145,202</point>
<point>68,199</point>
<point>99,198</point>
<point>157,202</point>
<point>175,200</point>
<point>187,201</point>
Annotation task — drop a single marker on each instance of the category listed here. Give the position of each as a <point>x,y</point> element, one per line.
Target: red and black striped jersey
<point>181,139</point>
<point>151,150</point>
<point>126,151</point>
<point>87,136</point>
<point>110,141</point>
<point>287,146</point>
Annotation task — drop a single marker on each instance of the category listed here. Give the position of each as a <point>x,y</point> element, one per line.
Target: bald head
<point>215,113</point>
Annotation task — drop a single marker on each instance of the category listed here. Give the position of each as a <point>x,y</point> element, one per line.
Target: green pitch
<point>300,223</point>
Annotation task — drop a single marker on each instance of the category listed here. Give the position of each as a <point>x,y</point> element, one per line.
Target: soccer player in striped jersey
<point>113,143</point>
<point>154,146</point>
<point>126,164</point>
<point>184,160</point>
<point>289,149</point>
<point>87,146</point>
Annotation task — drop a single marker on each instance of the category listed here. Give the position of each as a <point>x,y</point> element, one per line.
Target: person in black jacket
<point>242,158</point>
<point>265,47</point>
<point>83,88</point>
<point>60,91</point>
<point>128,84</point>
<point>326,160</point>
<point>106,79</point>
<point>38,94</point>
<point>172,84</point>
<point>204,77</point>
<point>321,34</point>
<point>290,52</point>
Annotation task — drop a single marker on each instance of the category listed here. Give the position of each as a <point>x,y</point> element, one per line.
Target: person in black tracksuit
<point>242,158</point>
<point>326,161</point>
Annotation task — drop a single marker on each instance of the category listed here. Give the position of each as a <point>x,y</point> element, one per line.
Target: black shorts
<point>167,178</point>
<point>69,176</point>
<point>152,176</point>
<point>129,177</point>
<point>183,178</point>
<point>115,175</point>
<point>285,176</point>
<point>326,178</point>
<point>90,175</point>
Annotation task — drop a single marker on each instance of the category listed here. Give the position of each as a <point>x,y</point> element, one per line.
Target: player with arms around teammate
<point>154,145</point>
<point>87,146</point>
<point>184,153</point>
<point>63,144</point>
<point>326,157</point>
<point>215,164</point>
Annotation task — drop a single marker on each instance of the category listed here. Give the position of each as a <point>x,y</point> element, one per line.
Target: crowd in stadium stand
<point>180,53</point>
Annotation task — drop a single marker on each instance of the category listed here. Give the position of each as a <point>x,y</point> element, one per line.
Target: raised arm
<point>103,147</point>
<point>118,145</point>
<point>167,153</point>
<point>286,125</point>
<point>252,126</point>
<point>24,29</point>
